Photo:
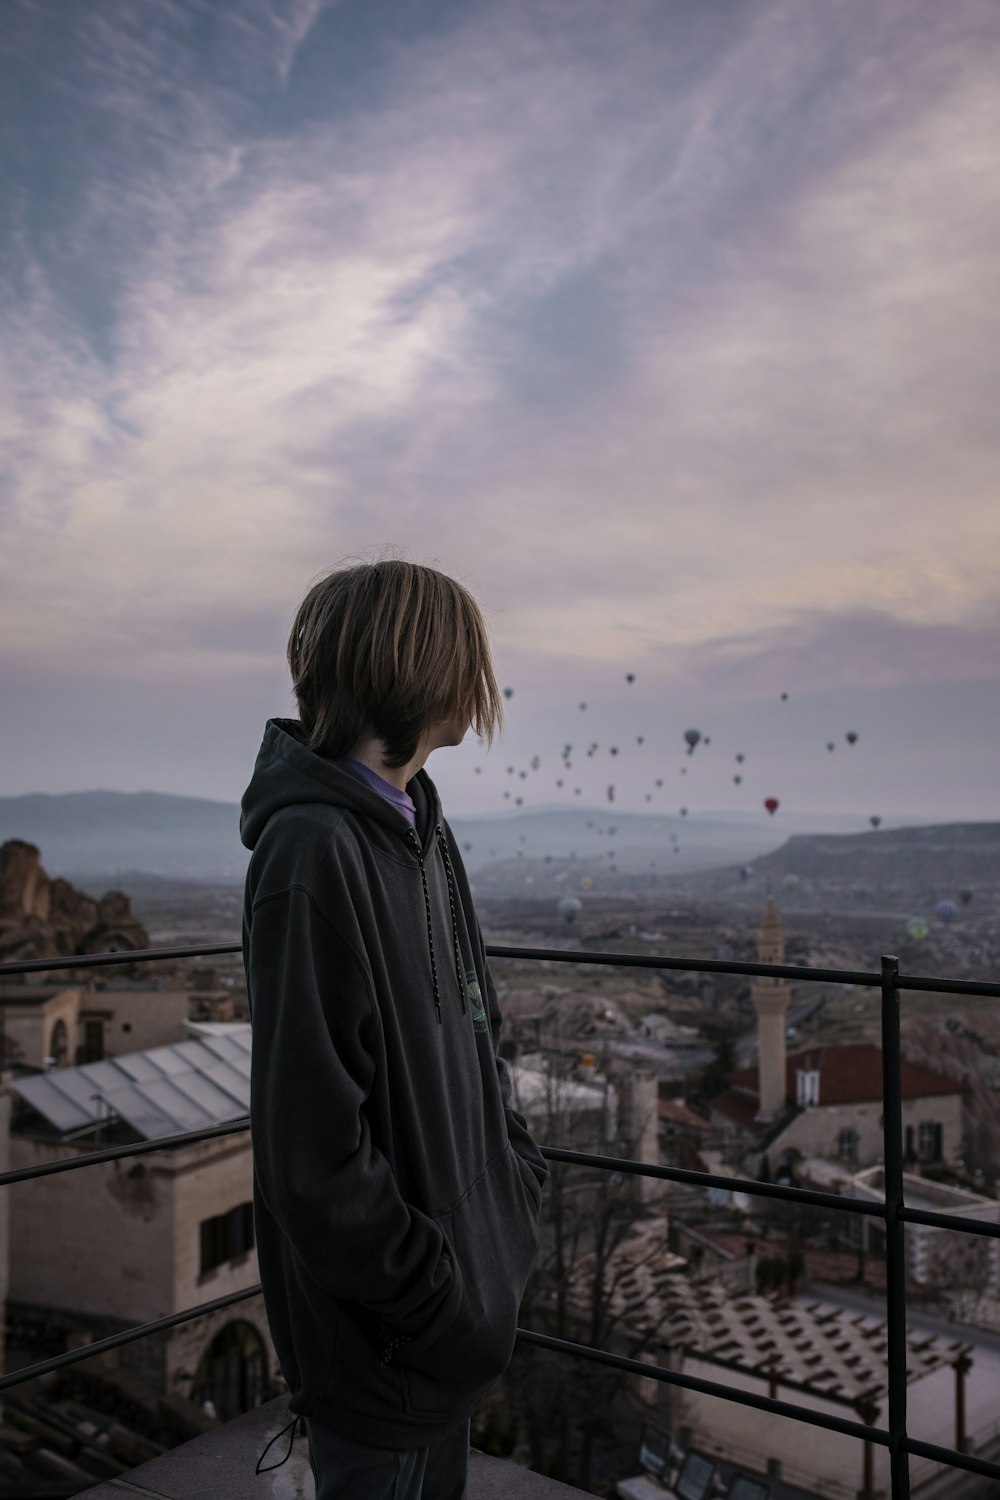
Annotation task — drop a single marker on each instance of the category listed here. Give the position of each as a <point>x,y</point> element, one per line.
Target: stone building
<point>59,1025</point>
<point>824,1101</point>
<point>127,1241</point>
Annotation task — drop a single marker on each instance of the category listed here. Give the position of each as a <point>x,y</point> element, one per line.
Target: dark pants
<point>344,1470</point>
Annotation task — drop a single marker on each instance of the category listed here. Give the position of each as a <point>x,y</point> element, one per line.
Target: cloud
<point>671,332</point>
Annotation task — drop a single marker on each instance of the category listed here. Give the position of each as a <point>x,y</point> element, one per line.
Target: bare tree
<point>587,1282</point>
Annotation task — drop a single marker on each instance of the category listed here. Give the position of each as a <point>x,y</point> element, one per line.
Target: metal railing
<point>893,1211</point>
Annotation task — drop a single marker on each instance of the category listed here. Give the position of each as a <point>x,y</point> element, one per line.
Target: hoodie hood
<point>287,772</point>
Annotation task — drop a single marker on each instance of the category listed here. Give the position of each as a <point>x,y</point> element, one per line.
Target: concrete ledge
<point>220,1465</point>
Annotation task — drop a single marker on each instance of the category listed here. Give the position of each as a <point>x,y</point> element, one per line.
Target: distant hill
<point>104,838</point>
<point>93,837</point>
<point>915,866</point>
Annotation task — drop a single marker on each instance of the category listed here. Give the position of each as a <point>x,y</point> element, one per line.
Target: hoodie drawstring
<point>288,1455</point>
<point>443,844</point>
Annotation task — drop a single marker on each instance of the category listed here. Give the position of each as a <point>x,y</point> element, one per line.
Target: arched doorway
<point>232,1373</point>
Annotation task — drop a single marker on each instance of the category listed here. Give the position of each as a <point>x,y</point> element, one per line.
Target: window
<point>807,1086</point>
<point>93,1041</point>
<point>930,1139</point>
<point>226,1236</point>
<point>847,1145</point>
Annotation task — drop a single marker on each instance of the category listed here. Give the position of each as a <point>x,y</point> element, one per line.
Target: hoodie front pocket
<point>495,1240</point>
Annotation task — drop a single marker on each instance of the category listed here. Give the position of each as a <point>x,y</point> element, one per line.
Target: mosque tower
<point>770,1000</point>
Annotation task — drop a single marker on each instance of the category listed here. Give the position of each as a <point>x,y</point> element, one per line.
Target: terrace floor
<point>220,1465</point>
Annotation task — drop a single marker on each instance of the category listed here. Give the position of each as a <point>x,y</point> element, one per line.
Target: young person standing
<point>396,1191</point>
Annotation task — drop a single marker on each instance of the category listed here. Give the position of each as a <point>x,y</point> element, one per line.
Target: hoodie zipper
<point>443,845</point>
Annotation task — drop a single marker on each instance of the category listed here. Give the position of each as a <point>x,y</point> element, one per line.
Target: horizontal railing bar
<point>714,1179</point>
<point>952,1457</point>
<point>709,1387</point>
<point>585,1351</point>
<point>129,956</point>
<point>864,977</point>
<point>555,1153</point>
<point>950,1221</point>
<point>127,1336</point>
<point>111,1153</point>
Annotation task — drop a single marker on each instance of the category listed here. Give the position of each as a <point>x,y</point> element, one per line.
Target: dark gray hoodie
<point>396,1192</point>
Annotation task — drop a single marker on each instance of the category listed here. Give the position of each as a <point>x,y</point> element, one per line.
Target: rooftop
<point>850,1075</point>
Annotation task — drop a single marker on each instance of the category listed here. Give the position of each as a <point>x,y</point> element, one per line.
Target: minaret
<point>770,999</point>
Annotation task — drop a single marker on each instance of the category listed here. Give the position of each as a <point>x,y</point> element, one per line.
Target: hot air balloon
<point>558,783</point>
<point>535,762</point>
<point>946,910</point>
<point>570,907</point>
<point>629,676</point>
<point>830,745</point>
<point>874,820</point>
<point>611,794</point>
<point>772,804</point>
<point>784,697</point>
<point>638,739</point>
<point>583,705</point>
<point>965,895</point>
<point>740,757</point>
<point>850,737</point>
<point>737,779</point>
<point>692,736</point>
<point>614,749</point>
<point>479,770</point>
<point>508,692</point>
<point>917,928</point>
<point>659,781</point>
<point>707,741</point>
<point>586,883</point>
<point>684,812</point>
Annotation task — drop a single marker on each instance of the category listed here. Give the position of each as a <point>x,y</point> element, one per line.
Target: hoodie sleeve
<point>517,1126</point>
<point>330,1189</point>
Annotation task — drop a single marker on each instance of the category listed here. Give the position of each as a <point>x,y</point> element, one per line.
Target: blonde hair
<point>389,648</point>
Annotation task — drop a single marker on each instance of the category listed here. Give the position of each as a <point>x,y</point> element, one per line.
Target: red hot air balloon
<point>772,804</point>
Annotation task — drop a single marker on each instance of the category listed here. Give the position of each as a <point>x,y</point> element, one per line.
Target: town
<point>763,1079</point>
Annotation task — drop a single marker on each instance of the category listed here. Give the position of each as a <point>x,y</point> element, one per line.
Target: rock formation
<point>43,918</point>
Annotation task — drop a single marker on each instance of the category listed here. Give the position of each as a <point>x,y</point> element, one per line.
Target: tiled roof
<point>832,1352</point>
<point>679,1114</point>
<point>849,1075</point>
<point>739,1106</point>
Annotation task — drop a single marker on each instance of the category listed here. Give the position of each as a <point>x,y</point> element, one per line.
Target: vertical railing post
<point>895,1227</point>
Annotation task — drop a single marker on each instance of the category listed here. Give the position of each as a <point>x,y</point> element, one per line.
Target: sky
<point>671,330</point>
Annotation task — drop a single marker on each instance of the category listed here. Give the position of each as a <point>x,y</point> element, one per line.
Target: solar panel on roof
<point>163,1091</point>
